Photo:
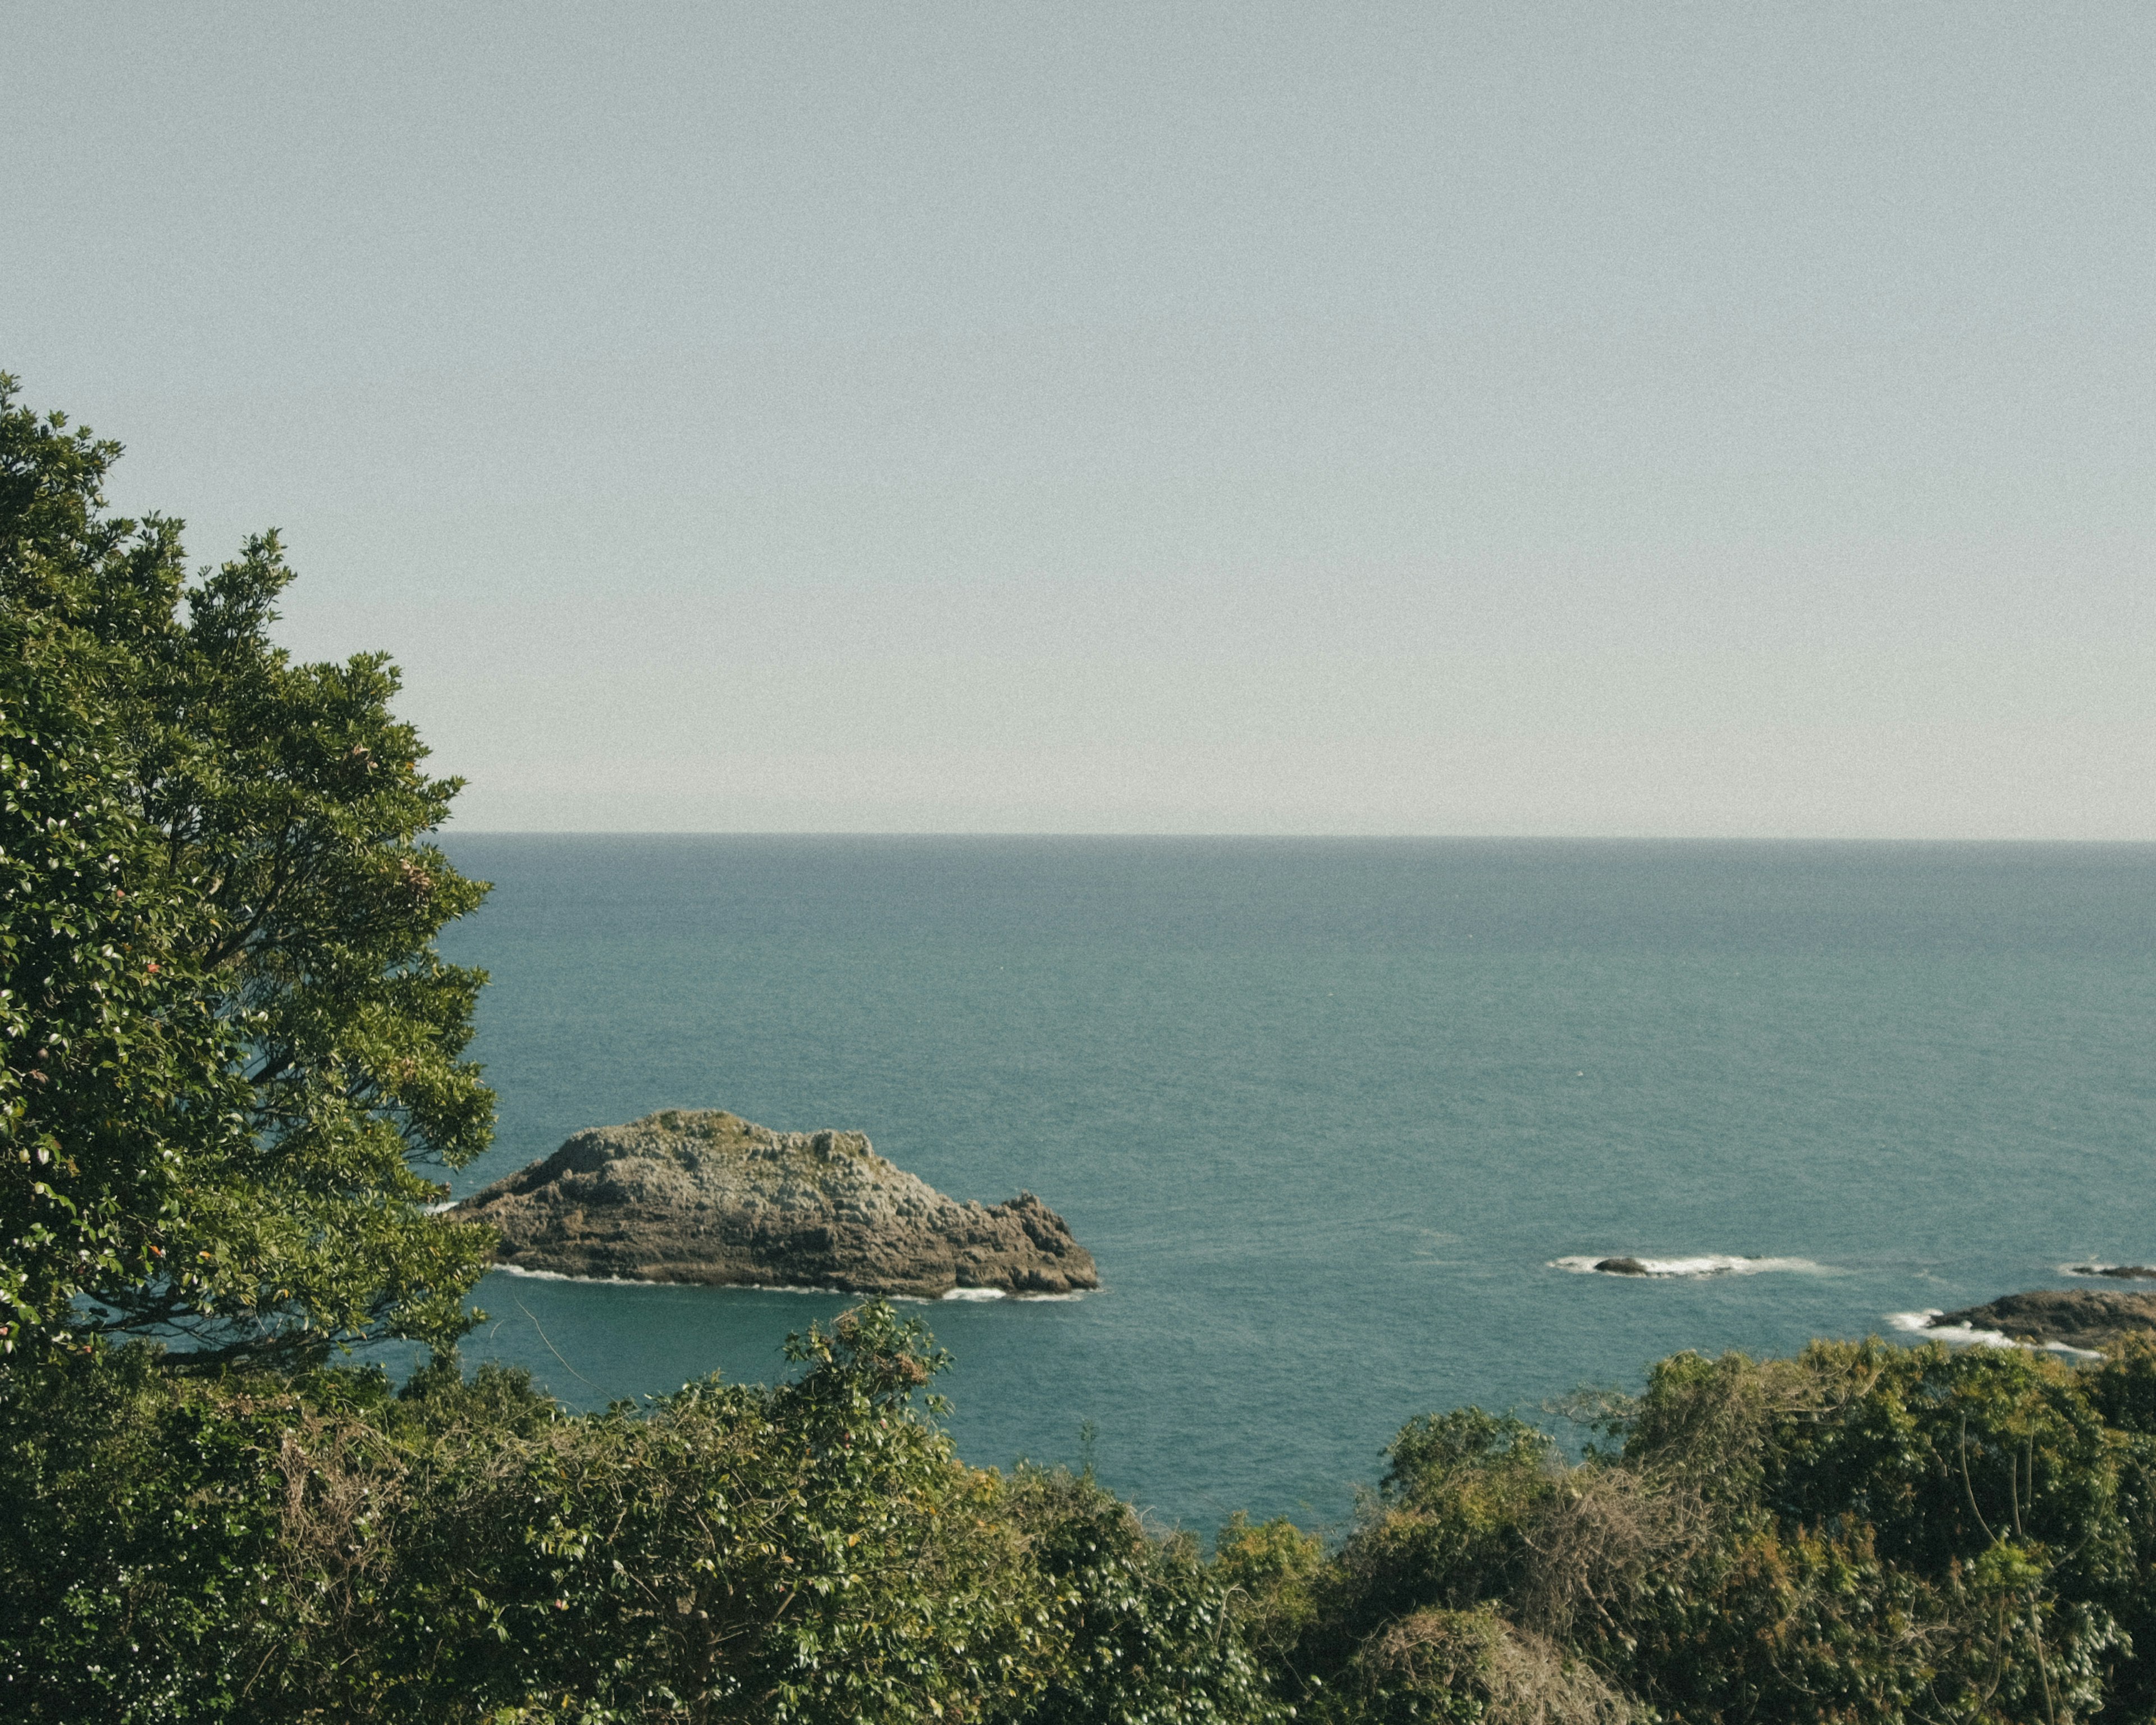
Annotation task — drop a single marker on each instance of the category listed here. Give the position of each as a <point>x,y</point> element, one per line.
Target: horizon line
<point>1273,838</point>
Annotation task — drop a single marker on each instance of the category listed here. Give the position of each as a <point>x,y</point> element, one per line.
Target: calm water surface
<point>1328,1112</point>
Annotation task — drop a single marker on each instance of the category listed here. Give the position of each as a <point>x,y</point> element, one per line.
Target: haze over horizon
<point>1523,420</point>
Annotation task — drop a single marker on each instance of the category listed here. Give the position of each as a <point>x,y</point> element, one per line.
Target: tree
<point>1150,1634</point>
<point>810,1552</point>
<point>118,1076</point>
<point>248,846</point>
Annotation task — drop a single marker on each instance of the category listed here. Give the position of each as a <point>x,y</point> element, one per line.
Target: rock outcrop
<point>705,1197</point>
<point>2076,1318</point>
<point>2117,1272</point>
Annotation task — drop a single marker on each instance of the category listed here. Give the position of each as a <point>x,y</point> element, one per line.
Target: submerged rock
<point>703,1196</point>
<point>2077,1318</point>
<point>2122,1272</point>
<point>1623,1266</point>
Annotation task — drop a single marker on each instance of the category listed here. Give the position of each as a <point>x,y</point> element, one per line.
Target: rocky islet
<point>705,1196</point>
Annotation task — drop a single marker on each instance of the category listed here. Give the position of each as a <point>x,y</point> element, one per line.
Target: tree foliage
<point>1777,1541</point>
<point>229,1030</point>
<point>253,1548</point>
<point>1862,1533</point>
<point>120,1076</point>
<point>1148,1633</point>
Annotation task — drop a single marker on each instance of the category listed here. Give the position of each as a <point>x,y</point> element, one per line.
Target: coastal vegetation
<point>1865,1532</point>
<point>231,1055</point>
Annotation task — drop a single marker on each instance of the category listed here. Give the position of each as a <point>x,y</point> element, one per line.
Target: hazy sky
<point>1729,419</point>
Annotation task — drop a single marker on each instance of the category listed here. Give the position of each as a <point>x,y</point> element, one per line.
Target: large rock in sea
<point>704,1196</point>
<point>2076,1318</point>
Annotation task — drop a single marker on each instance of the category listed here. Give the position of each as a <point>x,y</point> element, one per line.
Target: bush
<point>1470,1668</point>
<point>182,1547</point>
<point>1862,1533</point>
<point>1146,1633</point>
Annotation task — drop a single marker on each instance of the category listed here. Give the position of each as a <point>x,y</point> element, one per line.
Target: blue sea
<point>1333,1114</point>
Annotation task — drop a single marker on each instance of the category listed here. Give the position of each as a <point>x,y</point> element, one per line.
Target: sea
<point>1345,1123</point>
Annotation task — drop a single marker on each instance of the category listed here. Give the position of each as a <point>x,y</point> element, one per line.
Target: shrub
<point>242,1548</point>
<point>1148,1633</point>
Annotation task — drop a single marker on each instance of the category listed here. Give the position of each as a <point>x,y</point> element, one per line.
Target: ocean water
<point>1342,1122</point>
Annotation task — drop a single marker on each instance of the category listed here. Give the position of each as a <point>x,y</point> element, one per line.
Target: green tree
<point>810,1552</point>
<point>119,1077</point>
<point>1269,1570</point>
<point>1148,1634</point>
<point>256,831</point>
<point>1448,1527</point>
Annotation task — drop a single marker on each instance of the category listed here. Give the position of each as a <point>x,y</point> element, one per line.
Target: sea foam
<point>645,1281</point>
<point>1704,1264</point>
<point>1025,1299</point>
<point>759,1287</point>
<point>1919,1323</point>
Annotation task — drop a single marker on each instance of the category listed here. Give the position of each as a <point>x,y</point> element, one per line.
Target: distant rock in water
<point>2076,1318</point>
<point>705,1197</point>
<point>2122,1272</point>
<point>1697,1265</point>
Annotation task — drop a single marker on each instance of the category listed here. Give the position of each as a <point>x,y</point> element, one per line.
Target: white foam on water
<point>645,1281</point>
<point>641,1281</point>
<point>1002,1294</point>
<point>1919,1323</point>
<point>618,1281</point>
<point>1706,1264</point>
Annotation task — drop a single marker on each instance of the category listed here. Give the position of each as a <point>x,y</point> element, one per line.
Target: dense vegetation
<point>1863,1533</point>
<point>230,1051</point>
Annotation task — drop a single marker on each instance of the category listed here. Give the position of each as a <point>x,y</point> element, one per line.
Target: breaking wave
<point>762,1287</point>
<point>1919,1323</point>
<point>1002,1294</point>
<point>646,1281</point>
<point>1706,1264</point>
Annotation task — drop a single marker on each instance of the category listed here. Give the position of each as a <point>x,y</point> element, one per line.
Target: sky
<point>1673,420</point>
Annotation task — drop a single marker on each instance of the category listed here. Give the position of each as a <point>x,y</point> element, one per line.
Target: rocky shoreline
<point>2066,1318</point>
<point>705,1196</point>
